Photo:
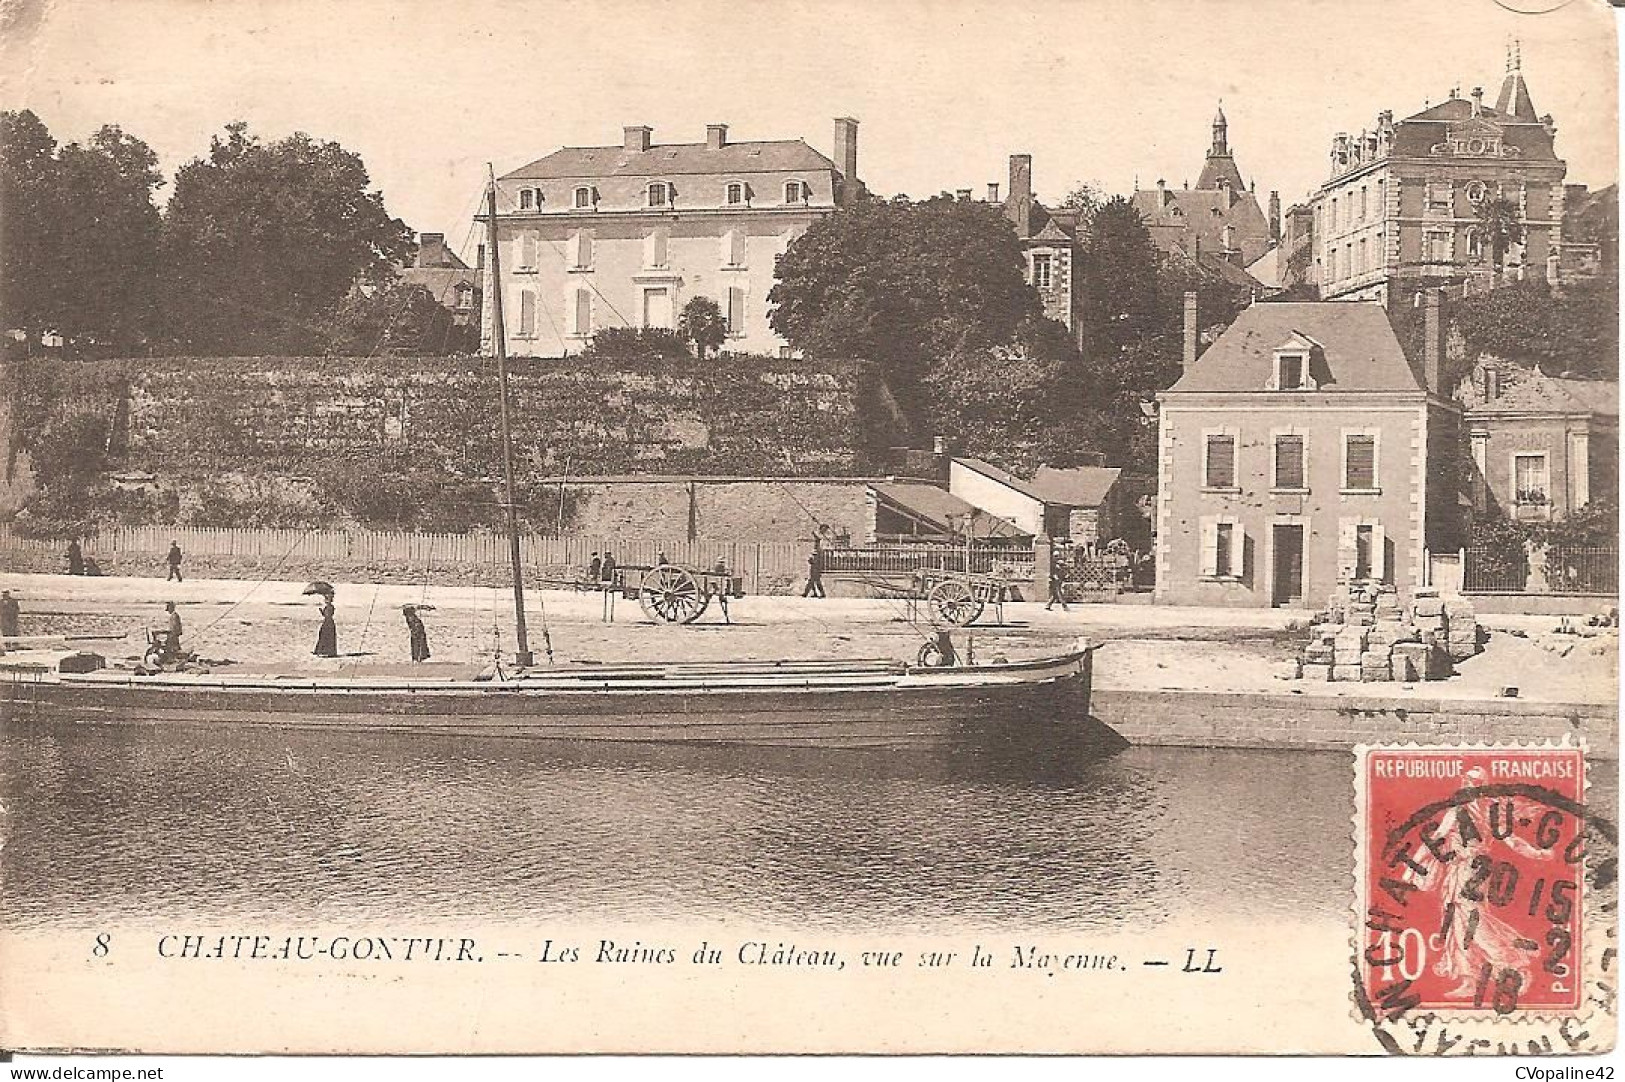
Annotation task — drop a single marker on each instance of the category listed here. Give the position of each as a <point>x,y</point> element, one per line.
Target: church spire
<point>1221,142</point>
<point>1220,170</point>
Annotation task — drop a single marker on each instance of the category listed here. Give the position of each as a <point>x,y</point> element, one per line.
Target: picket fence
<point>766,566</point>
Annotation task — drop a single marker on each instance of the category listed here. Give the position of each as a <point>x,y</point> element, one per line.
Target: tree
<point>262,241</point>
<point>110,233</point>
<point>1500,227</point>
<point>701,323</point>
<point>1086,197</point>
<point>30,257</point>
<point>397,318</point>
<point>903,285</point>
<point>1119,299</point>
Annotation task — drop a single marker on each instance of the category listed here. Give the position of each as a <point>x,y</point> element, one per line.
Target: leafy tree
<point>110,235</point>
<point>1574,330</point>
<point>397,318</point>
<point>1118,289</point>
<point>30,258</point>
<point>1499,223</point>
<point>1085,197</point>
<point>264,240</point>
<point>701,322</point>
<point>634,344</point>
<point>903,284</point>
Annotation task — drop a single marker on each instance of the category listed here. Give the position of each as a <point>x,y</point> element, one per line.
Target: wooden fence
<point>766,566</point>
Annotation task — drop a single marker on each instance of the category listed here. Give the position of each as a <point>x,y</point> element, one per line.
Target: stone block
<point>1374,657</point>
<point>1346,673</point>
<point>1286,670</point>
<point>1363,619</point>
<point>1376,674</point>
<point>1410,661</point>
<point>1317,674</point>
<point>1456,606</point>
<point>1319,654</point>
<point>1429,606</point>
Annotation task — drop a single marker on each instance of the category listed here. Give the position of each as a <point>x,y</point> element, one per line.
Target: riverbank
<point>1162,674</point>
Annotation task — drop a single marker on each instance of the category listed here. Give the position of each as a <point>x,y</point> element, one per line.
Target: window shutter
<point>660,247</point>
<point>736,248</point>
<point>1361,471</point>
<point>1221,461</point>
<point>527,313</point>
<point>1210,547</point>
<point>1289,462</point>
<point>585,251</point>
<point>572,249</point>
<point>583,312</point>
<point>1379,553</point>
<point>1347,548</point>
<point>736,311</point>
<point>1237,548</point>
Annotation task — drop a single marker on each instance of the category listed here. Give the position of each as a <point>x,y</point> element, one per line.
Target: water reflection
<point>262,825</point>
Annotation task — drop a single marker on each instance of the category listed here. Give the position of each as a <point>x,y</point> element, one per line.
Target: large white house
<point>624,236</point>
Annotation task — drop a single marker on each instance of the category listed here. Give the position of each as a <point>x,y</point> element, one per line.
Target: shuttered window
<point>733,248</point>
<point>736,311</point>
<point>1220,469</point>
<point>527,251</point>
<point>1224,541</point>
<point>1223,547</point>
<point>654,249</point>
<point>527,314</point>
<point>1289,462</point>
<point>583,311</point>
<point>1360,463</point>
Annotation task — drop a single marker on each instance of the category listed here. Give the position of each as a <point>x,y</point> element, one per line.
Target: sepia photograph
<point>1073,527</point>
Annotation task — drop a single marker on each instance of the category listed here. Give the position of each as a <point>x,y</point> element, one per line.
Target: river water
<point>119,823</point>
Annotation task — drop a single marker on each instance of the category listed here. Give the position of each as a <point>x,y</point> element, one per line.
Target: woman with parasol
<point>327,639</point>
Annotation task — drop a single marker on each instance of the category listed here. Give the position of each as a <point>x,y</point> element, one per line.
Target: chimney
<point>846,154</point>
<point>716,136</point>
<point>962,194</point>
<point>1478,101</point>
<point>992,191</point>
<point>1275,217</point>
<point>430,240</point>
<point>636,137</point>
<point>1190,330</point>
<point>479,258</point>
<point>1433,343</point>
<point>1492,383</point>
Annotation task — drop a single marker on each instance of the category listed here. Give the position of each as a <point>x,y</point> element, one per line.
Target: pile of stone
<point>1366,636</point>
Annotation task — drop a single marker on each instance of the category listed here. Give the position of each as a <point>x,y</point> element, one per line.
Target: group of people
<point>601,569</point>
<point>80,564</point>
<point>327,636</point>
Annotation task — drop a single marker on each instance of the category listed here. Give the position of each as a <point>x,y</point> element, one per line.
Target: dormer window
<point>1292,367</point>
<point>660,194</point>
<point>527,198</point>
<point>736,194</point>
<point>797,191</point>
<point>583,198</point>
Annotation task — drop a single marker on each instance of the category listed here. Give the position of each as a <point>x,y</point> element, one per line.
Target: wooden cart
<point>672,594</point>
<point>955,598</point>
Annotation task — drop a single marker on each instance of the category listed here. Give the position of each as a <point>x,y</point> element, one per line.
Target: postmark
<point>1482,882</point>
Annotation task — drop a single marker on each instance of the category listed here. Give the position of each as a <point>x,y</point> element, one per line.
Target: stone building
<point>1541,445</point>
<point>624,236</point>
<point>1049,238</point>
<point>1220,217</point>
<point>1401,203</point>
<point>450,281</point>
<point>1304,450</point>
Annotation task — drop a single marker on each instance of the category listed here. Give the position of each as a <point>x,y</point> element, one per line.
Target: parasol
<point>325,589</point>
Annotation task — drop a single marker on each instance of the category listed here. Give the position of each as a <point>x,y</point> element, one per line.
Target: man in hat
<point>595,570</point>
<point>174,559</point>
<point>172,641</point>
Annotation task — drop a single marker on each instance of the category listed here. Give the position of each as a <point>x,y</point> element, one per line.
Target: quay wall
<point>1284,721</point>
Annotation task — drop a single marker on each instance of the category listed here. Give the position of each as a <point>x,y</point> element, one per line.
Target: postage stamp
<point>1472,878</point>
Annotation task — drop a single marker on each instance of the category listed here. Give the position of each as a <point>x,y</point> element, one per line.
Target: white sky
<point>427,91</point>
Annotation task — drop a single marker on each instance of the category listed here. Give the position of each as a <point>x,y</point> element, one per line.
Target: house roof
<point>1416,135</point>
<point>1529,390</point>
<point>1083,486</point>
<point>675,159</point>
<point>441,282</point>
<point>1359,349</point>
<point>942,509</point>
<point>1004,477</point>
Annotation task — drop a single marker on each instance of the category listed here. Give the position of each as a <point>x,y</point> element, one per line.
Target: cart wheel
<point>670,595</point>
<point>953,604</point>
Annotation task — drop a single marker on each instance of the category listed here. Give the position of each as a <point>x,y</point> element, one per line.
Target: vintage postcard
<point>1066,527</point>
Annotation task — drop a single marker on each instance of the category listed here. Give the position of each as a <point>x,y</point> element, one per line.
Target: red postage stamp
<point>1471,875</point>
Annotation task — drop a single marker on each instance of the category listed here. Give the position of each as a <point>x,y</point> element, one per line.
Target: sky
<point>1104,91</point>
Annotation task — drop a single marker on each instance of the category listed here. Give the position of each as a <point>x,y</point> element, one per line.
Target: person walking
<point>1057,587</point>
<point>10,616</point>
<point>607,569</point>
<point>174,559</point>
<point>327,638</point>
<point>595,570</point>
<point>419,633</point>
<point>815,573</point>
<point>76,558</point>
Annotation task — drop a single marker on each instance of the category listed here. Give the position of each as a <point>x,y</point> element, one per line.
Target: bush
<point>628,345</point>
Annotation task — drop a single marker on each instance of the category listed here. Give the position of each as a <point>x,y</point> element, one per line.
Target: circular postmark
<point>1486,906</point>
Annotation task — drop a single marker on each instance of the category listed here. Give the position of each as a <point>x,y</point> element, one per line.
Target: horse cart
<point>672,594</point>
<point>958,598</point>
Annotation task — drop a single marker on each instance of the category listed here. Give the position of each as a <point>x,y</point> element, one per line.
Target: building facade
<point>1400,209</point>
<point>450,281</point>
<point>1049,240</point>
<point>1302,450</point>
<point>624,236</point>
<point>1541,446</point>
